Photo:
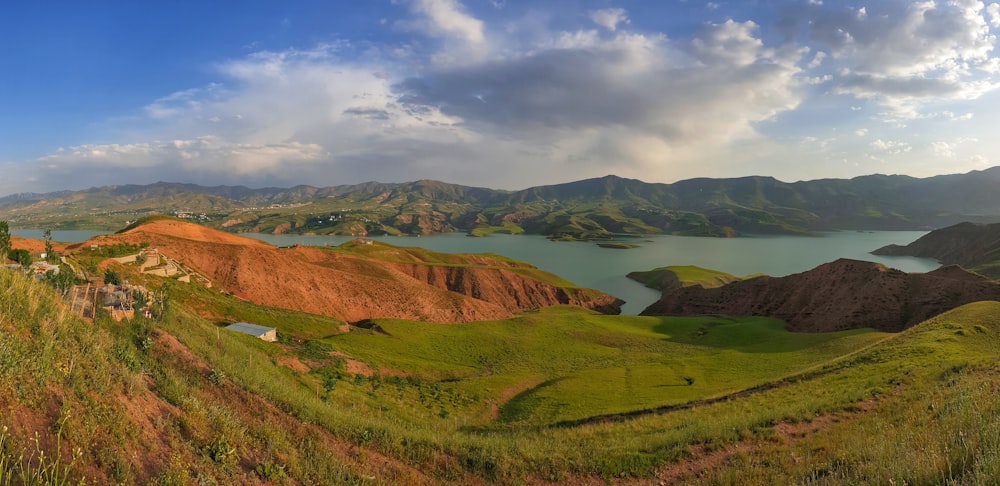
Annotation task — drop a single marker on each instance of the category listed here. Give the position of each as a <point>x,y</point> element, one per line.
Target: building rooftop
<point>251,329</point>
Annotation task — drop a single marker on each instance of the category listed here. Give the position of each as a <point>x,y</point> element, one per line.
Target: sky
<point>494,93</point>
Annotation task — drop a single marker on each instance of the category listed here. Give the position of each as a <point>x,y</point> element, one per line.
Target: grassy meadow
<point>560,395</point>
<point>568,364</point>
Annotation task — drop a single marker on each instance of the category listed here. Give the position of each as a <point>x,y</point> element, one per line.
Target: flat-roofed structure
<point>268,334</point>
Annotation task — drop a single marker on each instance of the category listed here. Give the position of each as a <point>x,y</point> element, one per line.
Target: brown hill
<point>33,245</point>
<point>356,282</point>
<point>971,245</point>
<point>845,294</point>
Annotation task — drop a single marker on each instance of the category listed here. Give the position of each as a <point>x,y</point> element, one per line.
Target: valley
<point>541,392</point>
<point>504,242</point>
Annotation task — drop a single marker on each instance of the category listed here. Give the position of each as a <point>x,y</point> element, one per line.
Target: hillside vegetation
<point>450,404</point>
<point>589,209</point>
<point>107,403</point>
<point>666,279</point>
<point>561,394</point>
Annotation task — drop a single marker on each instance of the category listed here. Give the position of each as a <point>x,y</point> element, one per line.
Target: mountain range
<point>587,209</point>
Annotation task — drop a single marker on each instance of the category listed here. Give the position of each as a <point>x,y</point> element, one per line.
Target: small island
<point>618,246</point>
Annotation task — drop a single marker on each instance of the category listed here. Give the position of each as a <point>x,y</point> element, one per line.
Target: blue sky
<point>504,94</point>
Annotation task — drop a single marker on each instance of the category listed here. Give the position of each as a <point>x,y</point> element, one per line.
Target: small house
<point>40,269</point>
<point>268,334</point>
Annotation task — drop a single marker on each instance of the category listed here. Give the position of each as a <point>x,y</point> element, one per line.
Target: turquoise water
<point>588,265</point>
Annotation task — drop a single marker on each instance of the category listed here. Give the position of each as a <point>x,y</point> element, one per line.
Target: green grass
<point>682,276</point>
<point>507,228</point>
<point>919,407</point>
<point>228,309</point>
<point>574,364</point>
<point>618,246</point>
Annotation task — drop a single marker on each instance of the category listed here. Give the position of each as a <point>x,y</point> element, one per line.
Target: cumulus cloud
<point>890,147</point>
<point>446,18</point>
<point>473,102</point>
<point>609,18</point>
<point>950,148</point>
<point>907,55</point>
<point>569,102</point>
<point>993,13</point>
<point>713,87</point>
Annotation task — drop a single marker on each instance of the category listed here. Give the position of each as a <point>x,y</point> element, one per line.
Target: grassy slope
<point>937,420</point>
<point>585,364</point>
<point>933,418</point>
<point>76,396</point>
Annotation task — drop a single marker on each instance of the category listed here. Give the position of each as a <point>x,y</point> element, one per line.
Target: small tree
<point>20,256</point>
<point>47,236</point>
<point>139,299</point>
<point>111,277</point>
<point>61,281</point>
<point>4,241</point>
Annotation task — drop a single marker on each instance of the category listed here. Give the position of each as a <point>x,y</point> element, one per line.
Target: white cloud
<point>446,18</point>
<point>609,18</point>
<point>729,42</point>
<point>567,103</point>
<point>603,95</point>
<point>817,60</point>
<point>890,147</point>
<point>904,57</point>
<point>950,148</point>
<point>206,154</point>
<point>475,102</point>
<point>993,12</point>
<point>943,149</point>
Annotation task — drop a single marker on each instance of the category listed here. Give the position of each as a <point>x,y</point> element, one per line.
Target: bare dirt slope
<point>845,294</point>
<point>33,245</point>
<point>966,244</point>
<point>354,287</point>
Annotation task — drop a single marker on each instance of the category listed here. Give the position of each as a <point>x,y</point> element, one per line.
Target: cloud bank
<point>478,102</point>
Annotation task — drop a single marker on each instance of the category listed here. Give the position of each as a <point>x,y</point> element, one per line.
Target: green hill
<point>589,209</point>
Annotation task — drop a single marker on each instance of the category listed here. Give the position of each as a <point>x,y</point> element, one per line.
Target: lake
<point>587,265</point>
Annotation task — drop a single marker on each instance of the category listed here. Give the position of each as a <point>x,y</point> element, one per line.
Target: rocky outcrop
<point>379,281</point>
<point>845,294</point>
